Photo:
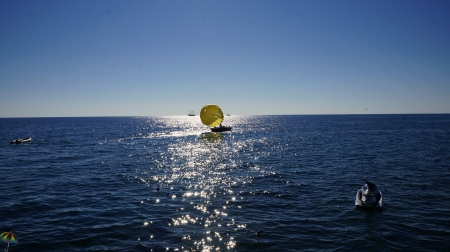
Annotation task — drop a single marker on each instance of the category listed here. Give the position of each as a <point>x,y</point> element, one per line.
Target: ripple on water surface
<point>275,183</point>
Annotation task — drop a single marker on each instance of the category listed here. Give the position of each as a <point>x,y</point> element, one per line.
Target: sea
<point>274,183</point>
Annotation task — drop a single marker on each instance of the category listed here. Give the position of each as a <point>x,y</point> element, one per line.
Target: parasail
<point>211,115</point>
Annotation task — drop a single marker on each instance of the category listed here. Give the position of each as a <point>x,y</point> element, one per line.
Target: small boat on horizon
<point>191,113</point>
<point>22,140</point>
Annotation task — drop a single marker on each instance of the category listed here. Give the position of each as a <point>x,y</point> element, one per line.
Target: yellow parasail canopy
<point>211,115</point>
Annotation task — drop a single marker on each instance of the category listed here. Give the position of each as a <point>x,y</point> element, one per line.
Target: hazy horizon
<point>24,117</point>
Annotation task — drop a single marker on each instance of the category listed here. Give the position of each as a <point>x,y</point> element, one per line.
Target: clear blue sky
<point>152,58</point>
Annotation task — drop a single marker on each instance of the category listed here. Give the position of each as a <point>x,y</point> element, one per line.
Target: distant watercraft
<point>221,129</point>
<point>369,197</point>
<point>228,114</point>
<point>22,140</point>
<point>212,116</point>
<point>191,113</point>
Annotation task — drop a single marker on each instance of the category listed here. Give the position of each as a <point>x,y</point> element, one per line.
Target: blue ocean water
<point>168,184</point>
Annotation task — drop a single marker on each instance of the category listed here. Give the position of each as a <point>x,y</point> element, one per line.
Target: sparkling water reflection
<point>204,176</point>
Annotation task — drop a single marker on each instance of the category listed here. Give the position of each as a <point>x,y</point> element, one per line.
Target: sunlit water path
<point>275,183</point>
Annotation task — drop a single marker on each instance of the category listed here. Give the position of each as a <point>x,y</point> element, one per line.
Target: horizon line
<point>24,117</point>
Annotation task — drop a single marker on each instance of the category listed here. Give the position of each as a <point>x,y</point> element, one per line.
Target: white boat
<point>369,197</point>
<point>22,140</point>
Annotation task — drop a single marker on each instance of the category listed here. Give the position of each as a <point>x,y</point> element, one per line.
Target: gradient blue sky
<point>153,58</point>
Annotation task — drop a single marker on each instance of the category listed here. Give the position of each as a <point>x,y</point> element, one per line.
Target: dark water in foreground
<point>90,184</point>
